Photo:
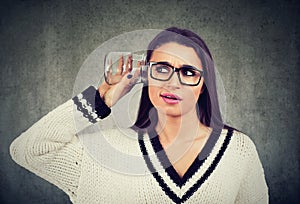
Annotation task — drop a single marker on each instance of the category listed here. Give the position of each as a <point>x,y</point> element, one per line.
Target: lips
<point>170,98</point>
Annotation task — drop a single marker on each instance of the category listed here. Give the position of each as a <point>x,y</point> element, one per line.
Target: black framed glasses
<point>187,74</point>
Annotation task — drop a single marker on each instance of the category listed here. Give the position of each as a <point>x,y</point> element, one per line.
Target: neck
<point>184,128</point>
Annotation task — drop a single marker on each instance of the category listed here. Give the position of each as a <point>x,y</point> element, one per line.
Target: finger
<point>137,71</point>
<point>128,67</point>
<point>133,77</point>
<point>136,75</point>
<point>109,71</point>
<point>120,65</point>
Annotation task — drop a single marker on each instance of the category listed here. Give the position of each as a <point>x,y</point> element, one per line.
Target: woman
<point>196,158</point>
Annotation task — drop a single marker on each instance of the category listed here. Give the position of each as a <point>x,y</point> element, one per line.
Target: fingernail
<point>129,76</point>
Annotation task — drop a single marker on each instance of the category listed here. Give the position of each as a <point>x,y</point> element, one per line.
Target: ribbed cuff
<point>101,108</point>
<point>91,105</point>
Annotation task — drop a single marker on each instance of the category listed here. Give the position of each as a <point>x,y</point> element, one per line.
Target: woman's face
<point>171,97</point>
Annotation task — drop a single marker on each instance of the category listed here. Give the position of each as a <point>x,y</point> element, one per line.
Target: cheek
<point>197,93</point>
<point>154,87</point>
<point>191,96</point>
<point>193,93</point>
<point>153,92</point>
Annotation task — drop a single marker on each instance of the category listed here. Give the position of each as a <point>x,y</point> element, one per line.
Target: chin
<point>170,111</point>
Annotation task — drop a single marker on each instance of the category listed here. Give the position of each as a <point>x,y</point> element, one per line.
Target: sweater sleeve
<point>253,188</point>
<point>51,149</point>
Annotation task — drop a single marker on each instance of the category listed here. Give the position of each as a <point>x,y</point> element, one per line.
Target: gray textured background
<point>255,45</point>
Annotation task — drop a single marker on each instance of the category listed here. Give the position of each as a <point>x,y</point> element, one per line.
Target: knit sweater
<point>56,149</point>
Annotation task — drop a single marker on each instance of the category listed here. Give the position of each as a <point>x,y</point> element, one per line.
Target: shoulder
<point>239,138</point>
<point>241,144</point>
<point>242,150</point>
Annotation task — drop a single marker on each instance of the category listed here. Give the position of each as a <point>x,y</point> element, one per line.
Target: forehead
<point>176,54</point>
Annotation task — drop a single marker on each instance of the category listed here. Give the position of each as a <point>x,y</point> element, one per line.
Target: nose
<point>174,81</point>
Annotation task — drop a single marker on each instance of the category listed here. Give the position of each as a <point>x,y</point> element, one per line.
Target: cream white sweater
<point>56,148</point>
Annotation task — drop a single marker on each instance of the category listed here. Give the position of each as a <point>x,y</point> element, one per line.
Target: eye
<point>163,69</point>
<point>188,72</point>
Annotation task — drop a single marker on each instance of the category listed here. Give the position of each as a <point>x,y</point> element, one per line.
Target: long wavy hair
<point>208,110</point>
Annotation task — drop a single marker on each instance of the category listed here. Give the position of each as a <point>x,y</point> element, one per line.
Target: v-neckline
<point>184,187</point>
<point>168,166</point>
